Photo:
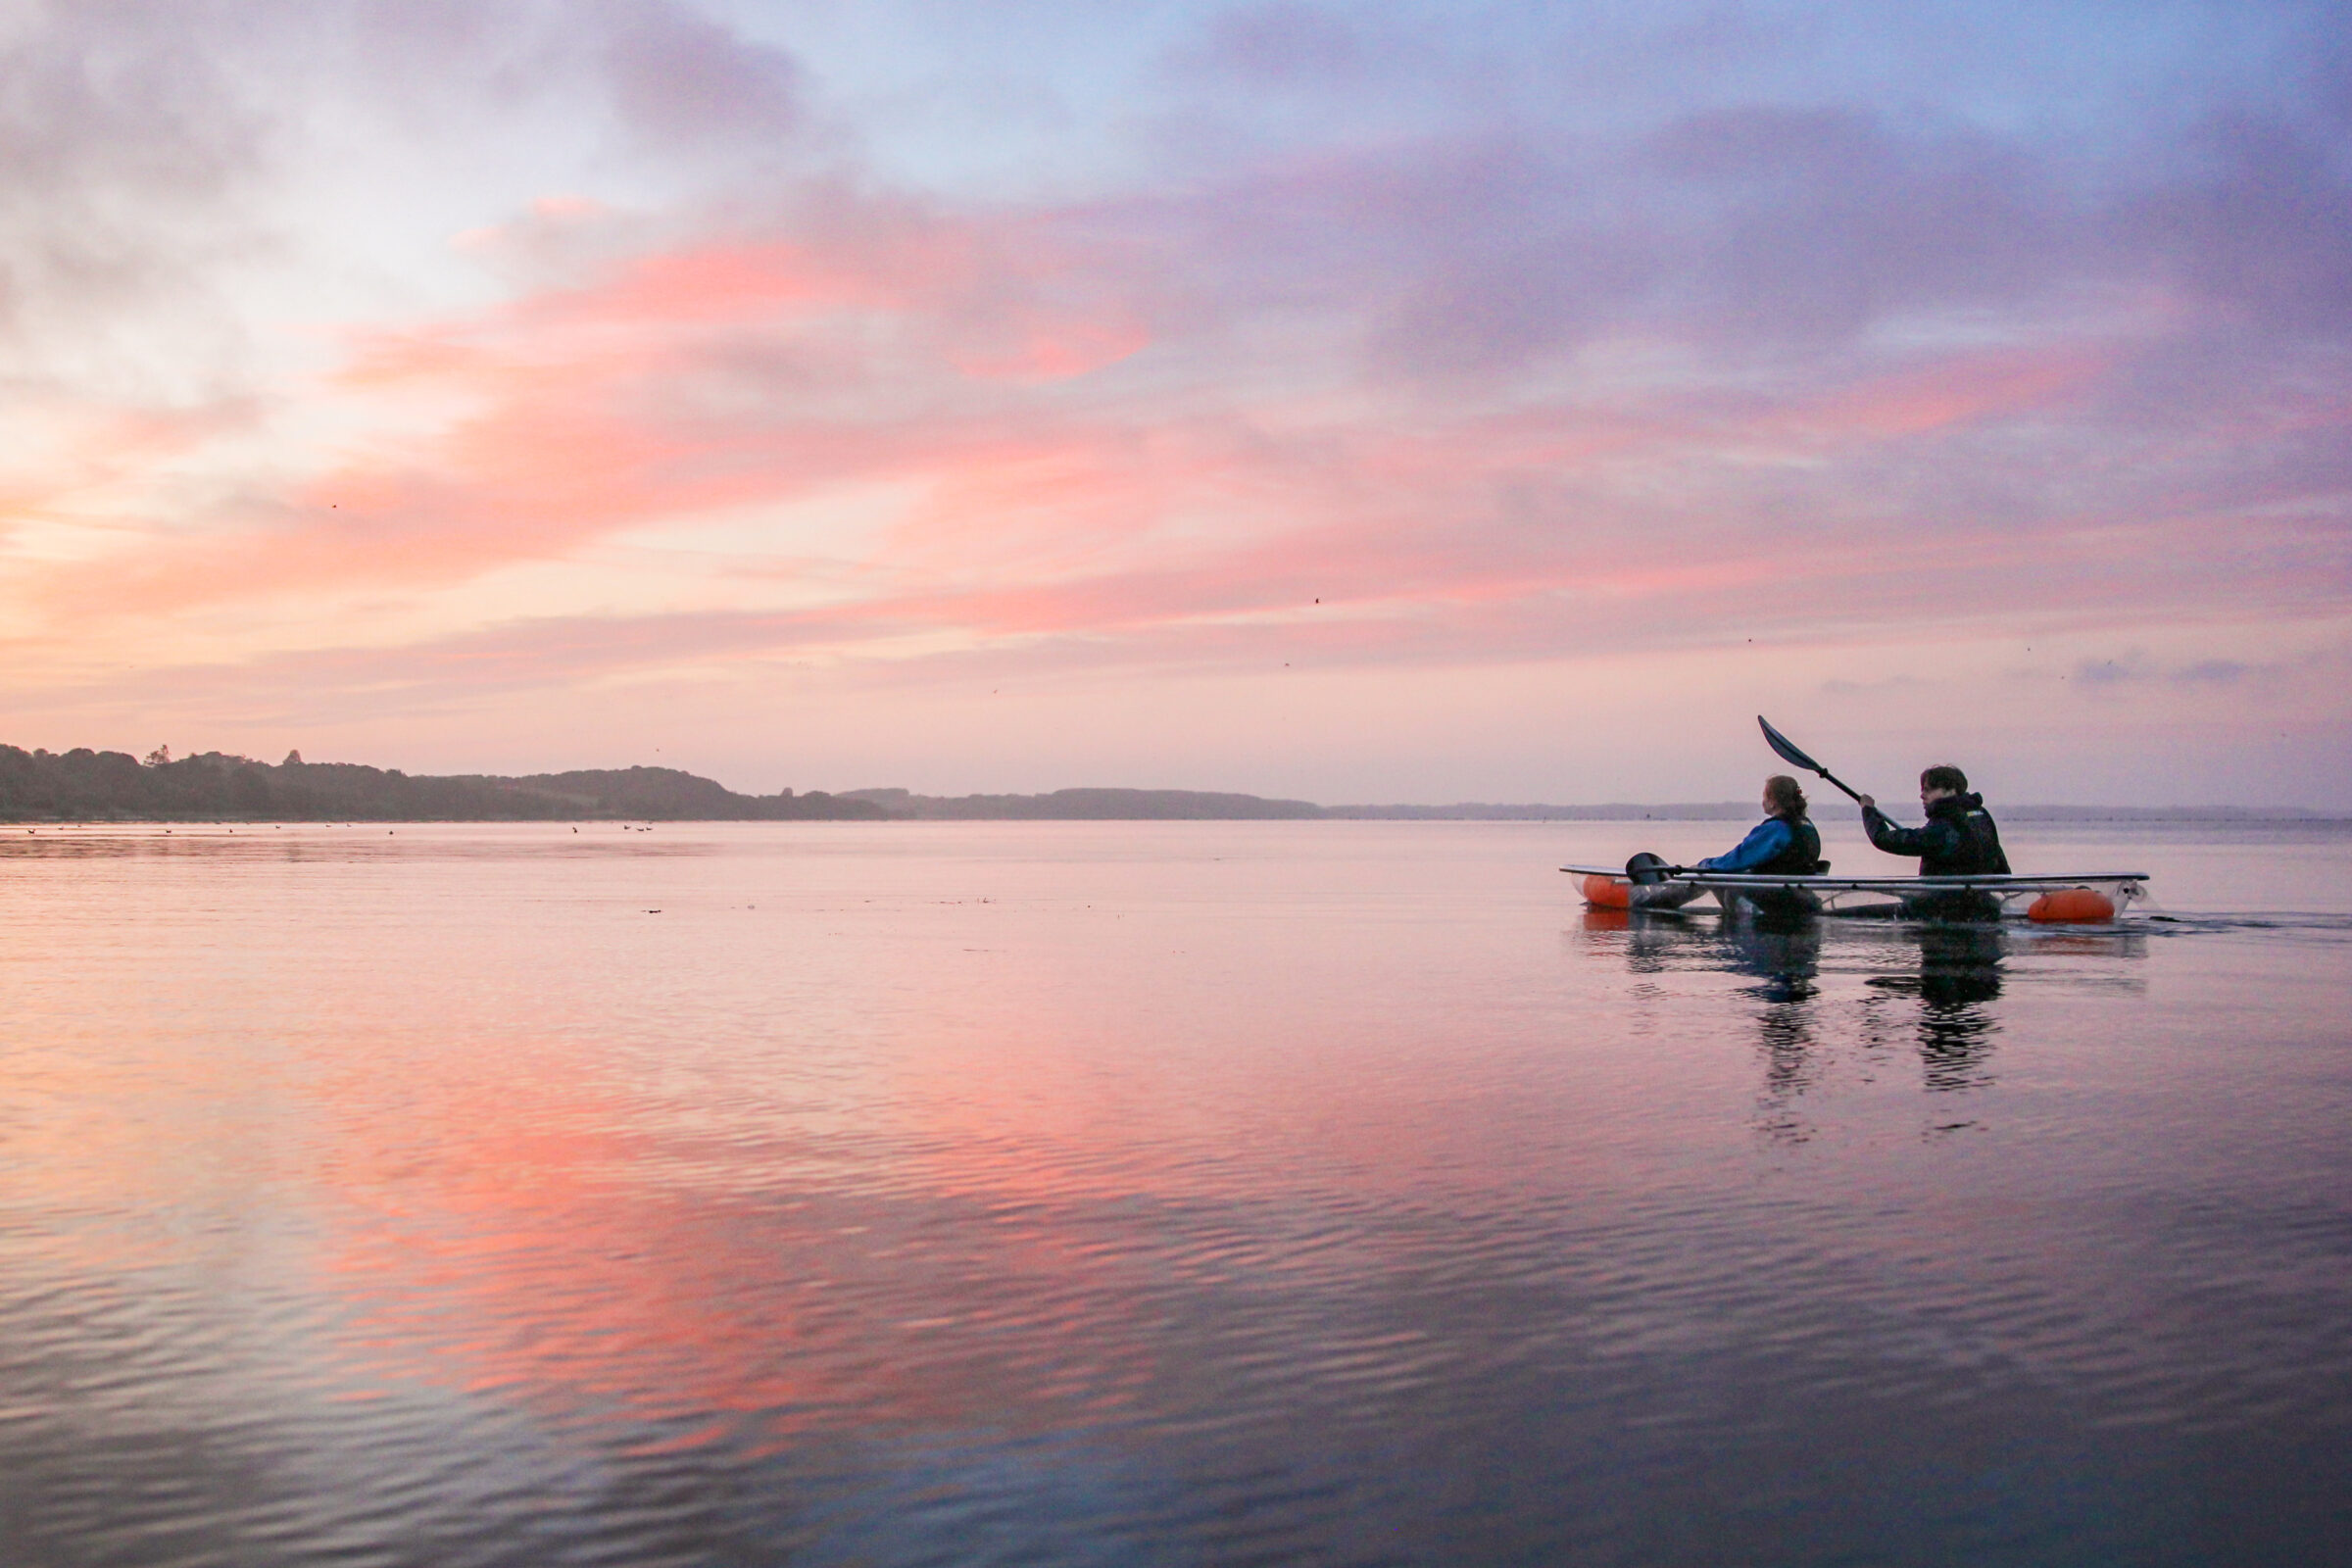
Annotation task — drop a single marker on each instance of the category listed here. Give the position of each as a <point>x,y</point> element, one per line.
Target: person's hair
<point>1788,799</point>
<point>1945,776</point>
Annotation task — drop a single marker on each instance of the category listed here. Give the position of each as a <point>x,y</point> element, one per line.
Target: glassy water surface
<point>1127,1193</point>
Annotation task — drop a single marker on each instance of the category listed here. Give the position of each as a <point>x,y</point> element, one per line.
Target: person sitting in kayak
<point>1785,843</point>
<point>1959,838</point>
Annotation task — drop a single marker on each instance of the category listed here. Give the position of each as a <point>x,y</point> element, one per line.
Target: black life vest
<point>1979,852</point>
<point>1801,856</point>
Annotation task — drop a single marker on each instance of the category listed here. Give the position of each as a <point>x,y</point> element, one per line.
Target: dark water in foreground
<point>1323,1193</point>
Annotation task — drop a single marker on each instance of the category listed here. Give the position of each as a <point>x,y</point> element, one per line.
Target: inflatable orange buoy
<point>2071,904</point>
<point>1608,893</point>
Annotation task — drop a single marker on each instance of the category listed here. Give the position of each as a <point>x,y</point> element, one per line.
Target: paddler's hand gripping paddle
<point>1789,753</point>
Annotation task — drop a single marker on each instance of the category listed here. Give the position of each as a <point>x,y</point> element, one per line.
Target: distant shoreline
<point>83,786</point>
<point>1122,804</point>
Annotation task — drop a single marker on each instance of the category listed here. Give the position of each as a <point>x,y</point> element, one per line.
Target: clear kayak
<point>2103,896</point>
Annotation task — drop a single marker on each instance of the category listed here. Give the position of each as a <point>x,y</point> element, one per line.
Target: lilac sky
<point>1376,401</point>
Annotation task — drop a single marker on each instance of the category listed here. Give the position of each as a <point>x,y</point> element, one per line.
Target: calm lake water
<point>1157,1194</point>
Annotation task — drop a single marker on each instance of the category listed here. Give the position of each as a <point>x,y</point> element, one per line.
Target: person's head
<point>1942,782</point>
<point>1783,797</point>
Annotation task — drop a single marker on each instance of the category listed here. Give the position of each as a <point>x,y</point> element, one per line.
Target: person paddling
<point>1785,843</point>
<point>1959,838</point>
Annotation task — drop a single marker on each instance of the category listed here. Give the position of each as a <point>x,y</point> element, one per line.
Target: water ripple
<point>1333,1198</point>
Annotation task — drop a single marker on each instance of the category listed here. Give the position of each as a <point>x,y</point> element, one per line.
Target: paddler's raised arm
<point>1932,839</point>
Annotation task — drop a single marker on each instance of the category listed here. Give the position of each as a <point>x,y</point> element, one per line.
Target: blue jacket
<point>1765,843</point>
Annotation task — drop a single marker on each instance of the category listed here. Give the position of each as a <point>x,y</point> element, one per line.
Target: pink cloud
<point>981,365</point>
<point>1049,519</point>
<point>651,394</point>
<point>1964,389</point>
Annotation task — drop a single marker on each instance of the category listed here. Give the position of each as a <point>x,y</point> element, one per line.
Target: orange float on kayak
<point>1608,893</point>
<point>2072,905</point>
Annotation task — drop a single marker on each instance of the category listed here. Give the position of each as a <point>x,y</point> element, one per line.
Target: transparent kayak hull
<point>2074,900</point>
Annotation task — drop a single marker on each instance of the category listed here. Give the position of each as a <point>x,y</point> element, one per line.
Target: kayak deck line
<point>2077,899</point>
<point>1920,884</point>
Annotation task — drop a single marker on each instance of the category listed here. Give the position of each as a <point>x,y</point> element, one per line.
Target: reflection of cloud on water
<point>526,1236</point>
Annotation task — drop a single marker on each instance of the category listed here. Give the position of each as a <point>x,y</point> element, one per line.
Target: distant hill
<point>1614,811</point>
<point>1115,804</point>
<point>82,785</point>
<point>1087,805</point>
<point>85,786</point>
<point>1835,806</point>
<point>2163,813</point>
<point>1119,804</point>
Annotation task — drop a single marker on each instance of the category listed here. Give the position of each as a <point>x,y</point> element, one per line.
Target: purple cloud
<point>685,82</point>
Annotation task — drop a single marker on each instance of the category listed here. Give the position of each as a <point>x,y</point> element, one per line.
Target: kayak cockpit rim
<point>1989,881</point>
<point>2091,897</point>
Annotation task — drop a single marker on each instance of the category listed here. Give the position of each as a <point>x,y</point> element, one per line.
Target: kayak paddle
<point>1789,753</point>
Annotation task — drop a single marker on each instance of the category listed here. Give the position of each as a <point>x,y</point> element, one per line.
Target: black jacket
<point>1959,839</point>
<point>1802,856</point>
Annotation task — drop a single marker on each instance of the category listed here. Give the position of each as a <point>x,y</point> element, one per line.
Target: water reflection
<point>1783,955</point>
<point>1954,974</point>
<point>1112,1195</point>
<point>1959,976</point>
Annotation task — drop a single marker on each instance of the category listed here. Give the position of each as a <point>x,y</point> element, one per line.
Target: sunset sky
<point>1362,402</point>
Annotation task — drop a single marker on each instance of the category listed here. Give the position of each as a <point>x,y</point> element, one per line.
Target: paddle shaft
<point>1840,783</point>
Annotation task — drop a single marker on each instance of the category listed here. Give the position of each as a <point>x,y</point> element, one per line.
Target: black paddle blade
<point>1787,749</point>
<point>1645,871</point>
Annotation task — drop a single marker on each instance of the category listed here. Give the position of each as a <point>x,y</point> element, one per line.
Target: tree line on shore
<point>90,786</point>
